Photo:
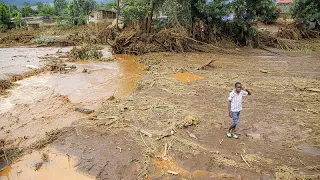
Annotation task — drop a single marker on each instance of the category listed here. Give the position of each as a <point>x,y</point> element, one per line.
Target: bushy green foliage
<point>45,9</point>
<point>178,12</point>
<point>60,6</point>
<point>215,10</point>
<point>135,10</point>
<point>27,11</point>
<point>4,17</point>
<point>305,11</point>
<point>270,12</point>
<point>79,9</point>
<point>247,13</point>
<point>17,19</point>
<point>42,39</point>
<point>110,5</point>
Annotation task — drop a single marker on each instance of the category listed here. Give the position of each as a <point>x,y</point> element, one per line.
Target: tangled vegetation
<point>85,53</point>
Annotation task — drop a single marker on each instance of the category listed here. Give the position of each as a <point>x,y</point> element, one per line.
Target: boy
<point>235,107</point>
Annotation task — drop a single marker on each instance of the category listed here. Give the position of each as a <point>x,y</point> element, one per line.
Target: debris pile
<point>4,84</point>
<point>188,121</point>
<point>23,37</point>
<point>8,154</point>
<point>85,52</point>
<point>133,41</point>
<point>50,137</point>
<point>60,67</point>
<point>290,37</point>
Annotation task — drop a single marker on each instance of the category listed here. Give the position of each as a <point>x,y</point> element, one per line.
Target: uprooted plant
<point>85,52</point>
<point>4,84</point>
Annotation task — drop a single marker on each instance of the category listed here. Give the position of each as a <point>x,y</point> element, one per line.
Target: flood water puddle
<point>102,80</point>
<point>187,77</point>
<point>58,167</point>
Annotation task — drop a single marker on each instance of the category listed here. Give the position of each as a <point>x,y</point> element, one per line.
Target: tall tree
<point>17,18</point>
<point>135,11</point>
<point>110,5</point>
<point>60,6</point>
<point>39,6</point>
<point>246,14</point>
<point>305,11</point>
<point>4,16</point>
<point>46,10</point>
<point>79,9</point>
<point>27,10</point>
<point>213,13</point>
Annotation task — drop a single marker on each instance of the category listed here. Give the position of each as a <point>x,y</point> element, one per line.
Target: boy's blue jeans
<point>235,117</point>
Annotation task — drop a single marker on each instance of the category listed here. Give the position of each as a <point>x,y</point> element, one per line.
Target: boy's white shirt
<point>236,100</point>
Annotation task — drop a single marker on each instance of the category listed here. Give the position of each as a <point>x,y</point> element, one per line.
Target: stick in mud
<point>245,160</point>
<point>144,141</point>
<point>5,156</point>
<point>220,142</point>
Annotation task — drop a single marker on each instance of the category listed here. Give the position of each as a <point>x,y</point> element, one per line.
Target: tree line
<point>66,12</point>
<point>233,17</point>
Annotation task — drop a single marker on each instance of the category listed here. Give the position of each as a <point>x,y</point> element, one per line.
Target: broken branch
<point>245,160</point>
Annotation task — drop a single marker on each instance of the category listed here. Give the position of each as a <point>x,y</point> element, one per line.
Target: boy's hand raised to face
<point>249,91</point>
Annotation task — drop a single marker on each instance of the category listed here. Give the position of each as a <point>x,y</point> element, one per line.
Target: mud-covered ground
<point>168,129</point>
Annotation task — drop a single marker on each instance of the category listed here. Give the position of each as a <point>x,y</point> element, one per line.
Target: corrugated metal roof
<point>284,1</point>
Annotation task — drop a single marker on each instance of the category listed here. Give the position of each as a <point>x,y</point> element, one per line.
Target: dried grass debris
<point>133,41</point>
<point>188,121</point>
<point>85,52</point>
<point>4,85</point>
<point>50,137</point>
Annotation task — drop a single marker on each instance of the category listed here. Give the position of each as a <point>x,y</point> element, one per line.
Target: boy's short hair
<point>237,83</point>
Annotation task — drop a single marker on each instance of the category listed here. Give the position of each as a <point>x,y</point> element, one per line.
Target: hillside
<point>19,3</point>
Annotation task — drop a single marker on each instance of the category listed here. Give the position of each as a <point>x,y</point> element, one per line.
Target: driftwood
<point>84,110</point>
<point>245,160</point>
<point>205,65</point>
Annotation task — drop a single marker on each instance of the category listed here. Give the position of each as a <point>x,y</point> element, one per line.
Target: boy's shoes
<point>235,136</point>
<point>229,135</point>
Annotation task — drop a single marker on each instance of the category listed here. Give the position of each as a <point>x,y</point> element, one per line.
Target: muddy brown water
<point>187,77</point>
<point>38,104</point>
<point>59,166</point>
<point>21,59</point>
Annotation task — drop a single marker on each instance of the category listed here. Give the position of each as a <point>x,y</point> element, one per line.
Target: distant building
<point>101,16</point>
<point>284,6</point>
<point>33,26</point>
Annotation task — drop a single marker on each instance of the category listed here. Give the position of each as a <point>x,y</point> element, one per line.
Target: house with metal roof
<point>284,6</point>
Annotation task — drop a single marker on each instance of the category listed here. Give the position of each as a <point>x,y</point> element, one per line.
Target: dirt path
<point>169,129</point>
